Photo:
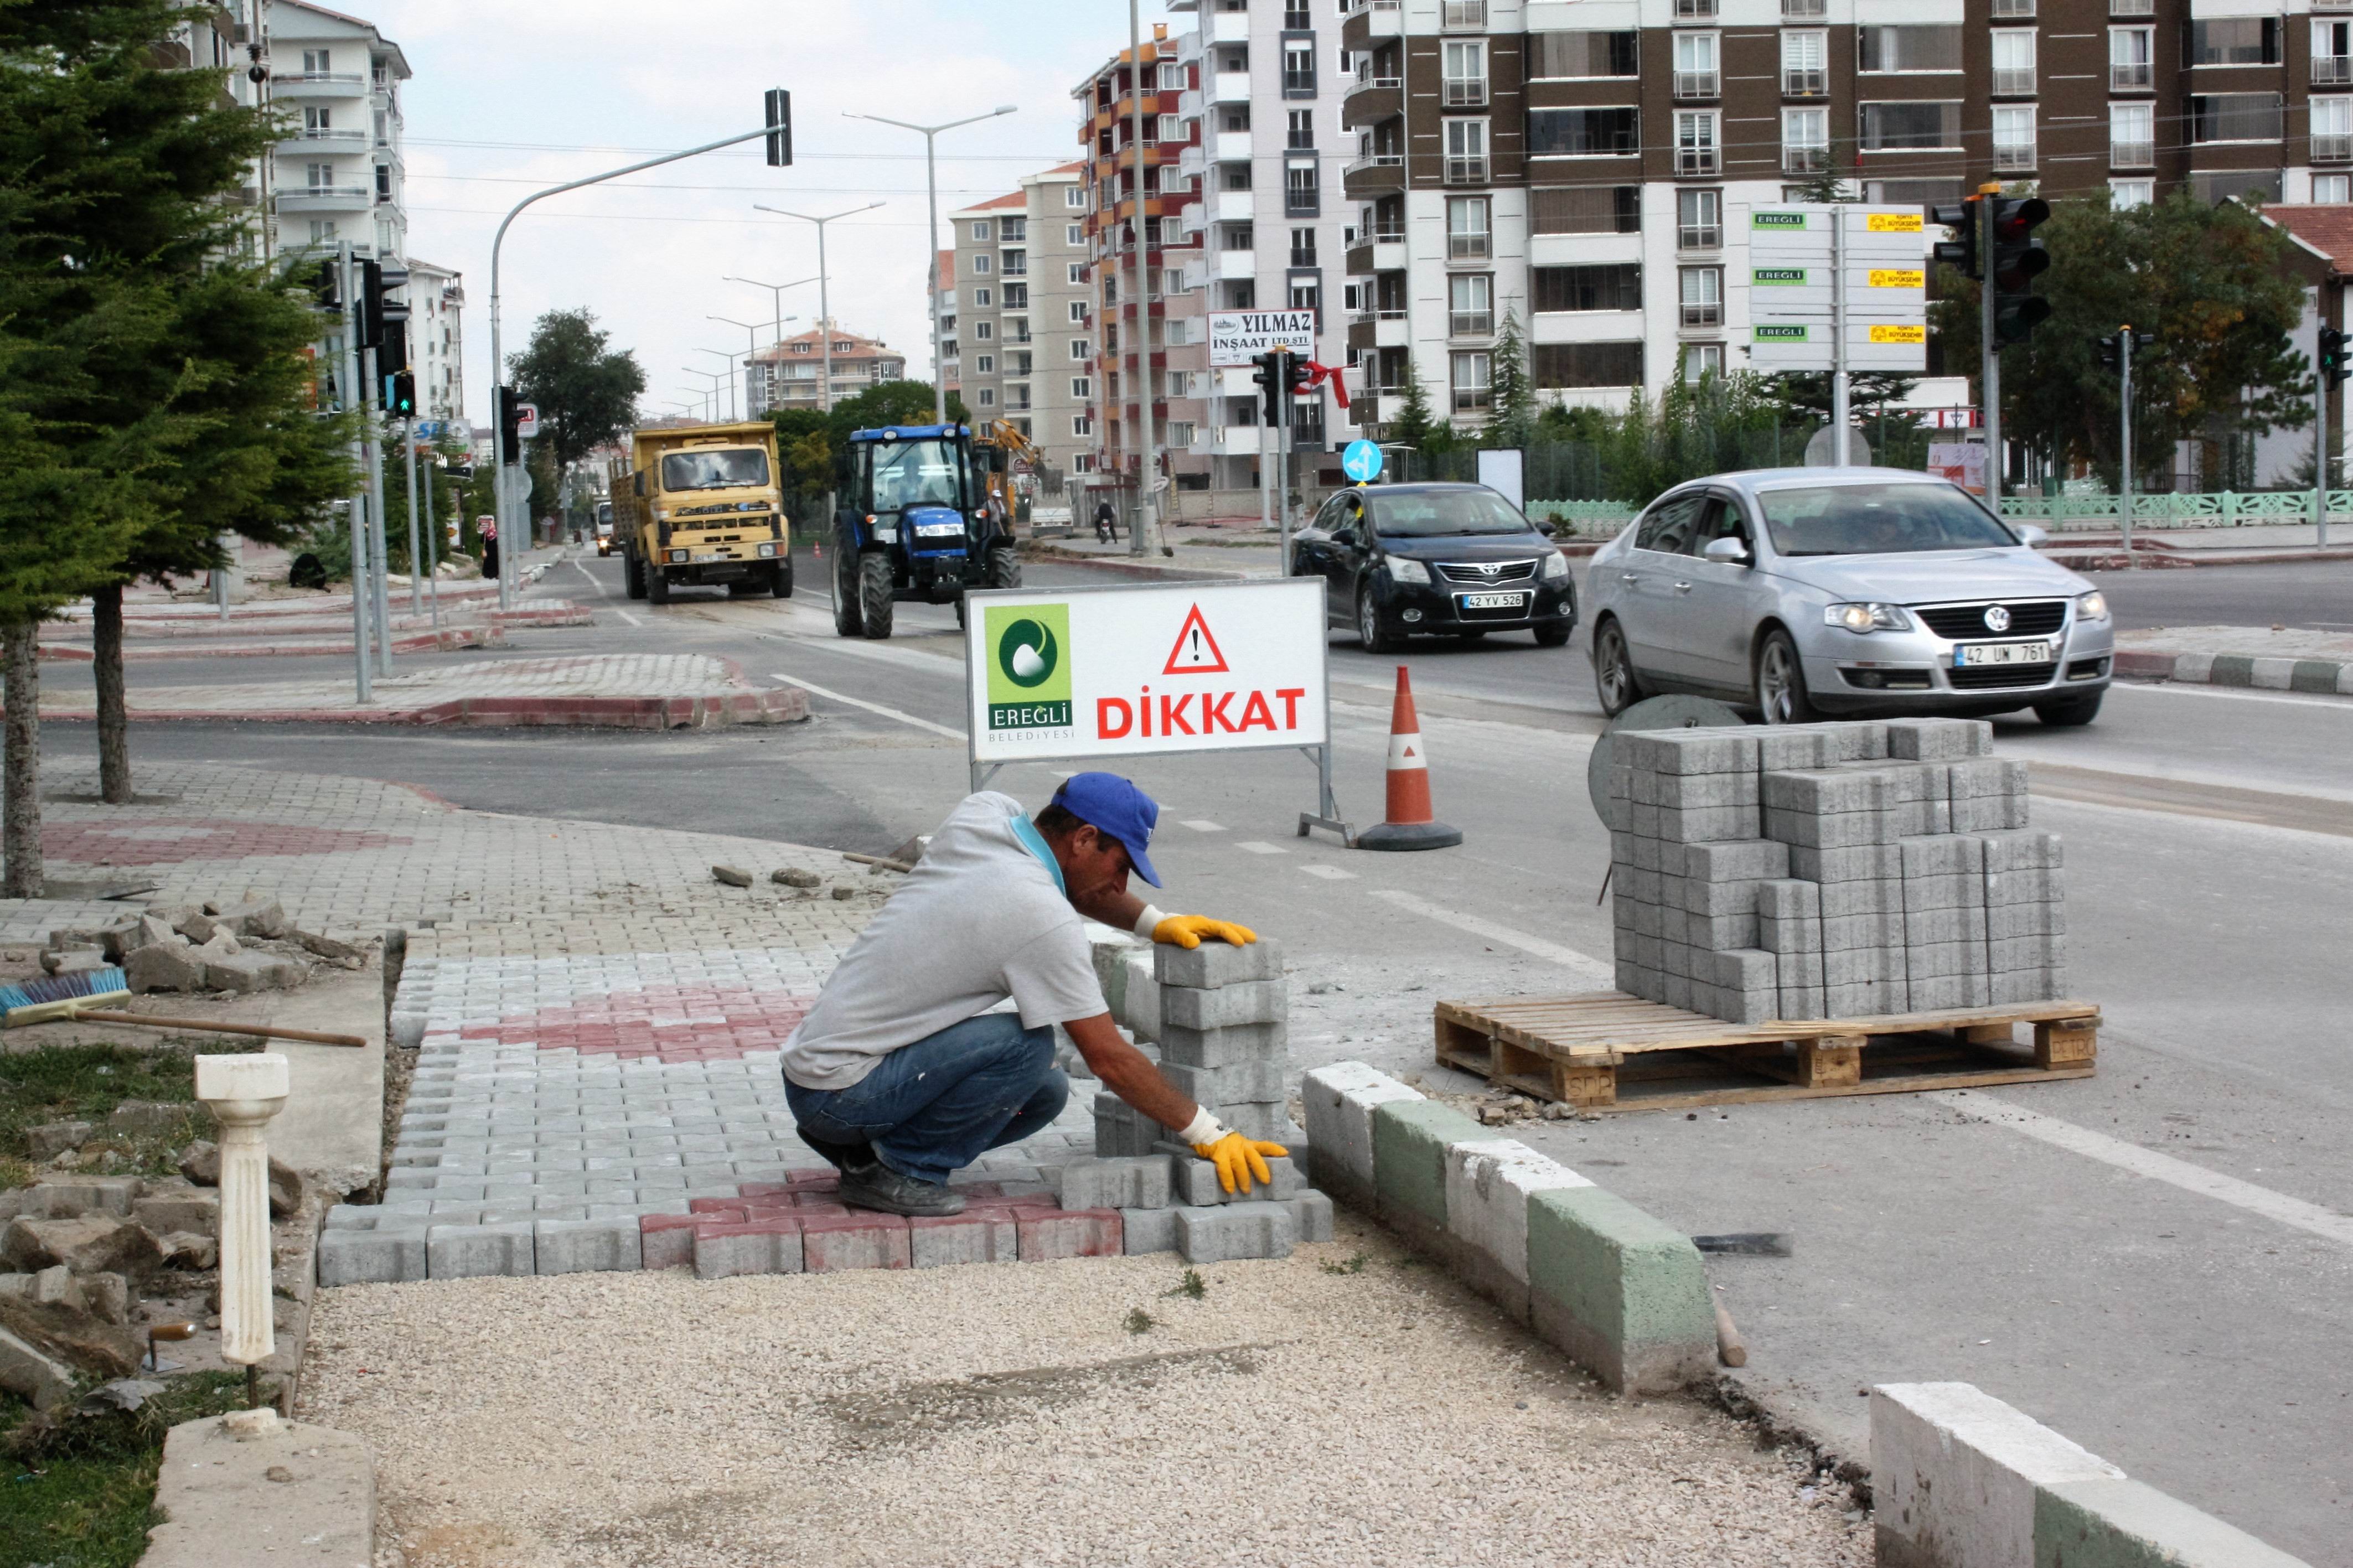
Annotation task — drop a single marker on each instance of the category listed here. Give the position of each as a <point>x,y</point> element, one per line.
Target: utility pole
<point>1841,414</point>
<point>379,588</point>
<point>2330,364</point>
<point>2124,478</point>
<point>1147,460</point>
<point>1991,392</point>
<point>416,580</point>
<point>432,545</point>
<point>348,380</point>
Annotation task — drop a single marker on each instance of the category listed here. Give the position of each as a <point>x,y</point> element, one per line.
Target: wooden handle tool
<point>206,1026</point>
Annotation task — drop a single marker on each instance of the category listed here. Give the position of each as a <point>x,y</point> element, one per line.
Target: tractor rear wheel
<point>1003,567</point>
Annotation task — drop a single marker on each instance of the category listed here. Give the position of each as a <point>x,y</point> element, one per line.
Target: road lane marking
<point>602,592</point>
<point>629,617</point>
<point>2320,699</point>
<point>1203,824</point>
<point>1329,873</point>
<point>811,686</point>
<point>1259,847</point>
<point>2141,1161</point>
<point>1587,967</point>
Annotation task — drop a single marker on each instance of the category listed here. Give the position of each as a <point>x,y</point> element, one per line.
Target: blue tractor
<point>915,522</point>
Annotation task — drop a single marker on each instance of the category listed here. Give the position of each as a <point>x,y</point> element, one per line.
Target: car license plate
<point>1493,601</point>
<point>715,555</point>
<point>1972,656</point>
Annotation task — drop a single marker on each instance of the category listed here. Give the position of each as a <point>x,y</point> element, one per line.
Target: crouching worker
<point>902,1074</point>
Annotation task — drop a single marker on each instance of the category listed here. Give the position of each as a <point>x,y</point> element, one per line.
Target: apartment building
<point>1024,342</point>
<point>437,339</point>
<point>337,174</point>
<point>1587,166</point>
<point>951,370</point>
<point>790,372</point>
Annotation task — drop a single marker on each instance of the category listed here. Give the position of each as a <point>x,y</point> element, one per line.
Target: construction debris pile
<point>1831,871</point>
<point>247,945</point>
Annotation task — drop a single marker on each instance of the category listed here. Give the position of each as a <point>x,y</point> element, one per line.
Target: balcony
<point>1229,87</point>
<point>1467,93</point>
<point>2139,77</point>
<point>1383,253</point>
<point>1228,28</point>
<point>1698,161</point>
<point>1392,329</point>
<point>1227,206</point>
<point>2132,8</point>
<point>1374,174</point>
<point>2332,70</point>
<point>1370,101</point>
<point>1702,313</point>
<point>2332,149</point>
<point>1463,15</point>
<point>1807,81</point>
<point>1805,160</point>
<point>326,199</point>
<point>2013,10</point>
<point>2132,155</point>
<point>1699,236</point>
<point>2013,157</point>
<point>2014,82</point>
<point>318,84</point>
<point>1467,171</point>
<point>1471,323</point>
<point>323,140</point>
<point>1229,146</point>
<point>1695,10</point>
<point>1699,84</point>
<point>1804,10</point>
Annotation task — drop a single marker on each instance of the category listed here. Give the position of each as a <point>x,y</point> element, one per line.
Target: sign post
<point>1837,288</point>
<point>1194,667</point>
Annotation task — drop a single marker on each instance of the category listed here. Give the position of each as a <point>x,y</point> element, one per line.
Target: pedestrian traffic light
<point>1272,377</point>
<point>2014,259</point>
<point>325,286</point>
<point>400,395</point>
<point>1960,252</point>
<point>2112,352</point>
<point>780,128</point>
<point>2332,355</point>
<point>377,282</point>
<point>510,409</point>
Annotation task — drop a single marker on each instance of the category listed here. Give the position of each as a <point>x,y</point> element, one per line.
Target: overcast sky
<point>509,97</point>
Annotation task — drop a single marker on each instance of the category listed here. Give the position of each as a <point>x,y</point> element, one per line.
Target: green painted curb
<point>2127,1524</point>
<point>1410,1139</point>
<point>2231,669</point>
<point>2313,675</point>
<point>1629,1278</point>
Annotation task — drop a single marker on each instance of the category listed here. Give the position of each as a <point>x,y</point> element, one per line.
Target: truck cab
<point>701,506</point>
<point>914,523</point>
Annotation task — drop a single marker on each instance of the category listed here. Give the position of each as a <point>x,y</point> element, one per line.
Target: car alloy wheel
<point>1613,673</point>
<point>1368,625</point>
<point>1781,682</point>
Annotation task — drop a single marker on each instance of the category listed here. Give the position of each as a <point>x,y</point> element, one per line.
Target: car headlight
<point>1555,565</point>
<point>1867,617</point>
<point>1403,569</point>
<point>2091,606</point>
<point>677,555</point>
<point>662,514</point>
<point>768,549</point>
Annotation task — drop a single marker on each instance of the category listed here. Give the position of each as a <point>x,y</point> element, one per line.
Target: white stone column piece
<point>243,1092</point>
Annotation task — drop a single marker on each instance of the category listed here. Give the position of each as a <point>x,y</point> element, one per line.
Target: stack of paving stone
<point>1831,871</point>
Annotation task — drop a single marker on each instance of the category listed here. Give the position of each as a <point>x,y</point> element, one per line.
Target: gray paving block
<point>370,1257</point>
<point>1148,1230</point>
<point>1118,1183</point>
<point>1215,964</point>
<point>585,1245</point>
<point>1256,1001</point>
<point>1736,860</point>
<point>1932,993</point>
<point>1258,1080</point>
<point>1693,751</point>
<point>722,1252</point>
<point>1740,969</point>
<point>467,1251</point>
<point>1225,1046</point>
<point>1267,1122</point>
<point>1938,739</point>
<point>1828,830</point>
<point>1719,932</point>
<point>2023,851</point>
<point>1708,824</point>
<point>2032,887</point>
<point>1846,934</point>
<point>1986,814</point>
<point>1927,928</point>
<point>1232,1231</point>
<point>1852,863</point>
<point>1311,1216</point>
<point>1684,791</point>
<point>978,1236</point>
<point>1948,854</point>
<point>1822,791</point>
<point>1857,741</point>
<point>1857,965</point>
<point>352,1217</point>
<point>2004,922</point>
<point>2045,950</point>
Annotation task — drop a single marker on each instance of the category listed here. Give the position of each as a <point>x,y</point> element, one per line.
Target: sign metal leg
<point>1327,811</point>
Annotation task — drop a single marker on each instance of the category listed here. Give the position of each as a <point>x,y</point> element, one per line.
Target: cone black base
<point>1409,836</point>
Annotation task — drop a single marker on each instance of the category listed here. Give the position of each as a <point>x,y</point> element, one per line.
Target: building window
<point>2013,137</point>
<point>2131,135</point>
<point>1179,433</point>
<point>984,331</point>
<point>323,231</point>
<point>983,298</point>
<point>986,398</point>
<point>1467,228</point>
<point>1613,287</point>
<point>1234,177</point>
<point>1300,191</point>
<point>1462,14</point>
<point>1172,77</point>
<point>1180,384</point>
<point>2332,53</point>
<point>1569,56</point>
<point>1703,296</point>
<point>316,62</point>
<point>1697,147</point>
<point>1466,151</point>
<point>1697,73</point>
<point>1586,209</point>
<point>1471,305</point>
<point>316,117</point>
<point>1584,132</point>
<point>320,176</point>
<point>1805,64</point>
<point>981,264</point>
<point>980,229</point>
<point>2013,62</point>
<point>1017,295</point>
<point>2332,130</point>
<point>1081,349</point>
<point>984,364</point>
<point>1472,392</point>
<point>2140,193</point>
<point>2132,59</point>
<point>1586,364</point>
<point>1299,69</point>
<point>1699,219</point>
<point>1302,138</point>
<point>1075,272</point>
<point>1074,196</point>
<point>1014,264</point>
<point>1899,127</point>
<point>2336,189</point>
<point>1306,294</point>
<point>1465,74</point>
<point>2234,117</point>
<point>383,182</point>
<point>1909,48</point>
<point>1302,247</point>
<point>2235,41</point>
<point>1172,281</point>
<point>1079,312</point>
<point>1074,234</point>
<point>1695,10</point>
<point>1237,236</point>
<point>1702,360</point>
<point>1082,387</point>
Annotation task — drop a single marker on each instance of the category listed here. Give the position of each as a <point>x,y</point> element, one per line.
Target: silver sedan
<point>1810,592</point>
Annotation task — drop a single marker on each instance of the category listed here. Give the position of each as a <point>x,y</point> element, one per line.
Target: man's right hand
<point>1239,1159</point>
<point>1189,931</point>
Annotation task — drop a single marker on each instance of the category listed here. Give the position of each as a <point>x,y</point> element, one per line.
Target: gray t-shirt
<point>981,917</point>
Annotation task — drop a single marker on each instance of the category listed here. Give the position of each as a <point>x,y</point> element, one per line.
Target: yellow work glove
<point>1186,931</point>
<point>1239,1159</point>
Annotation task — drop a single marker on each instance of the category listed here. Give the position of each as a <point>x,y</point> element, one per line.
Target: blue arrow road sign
<point>1361,462</point>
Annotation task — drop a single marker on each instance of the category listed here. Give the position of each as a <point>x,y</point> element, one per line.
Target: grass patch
<point>1355,1264</point>
<point>1192,1285</point>
<point>80,1492</point>
<point>67,1083</point>
<point>1140,1321</point>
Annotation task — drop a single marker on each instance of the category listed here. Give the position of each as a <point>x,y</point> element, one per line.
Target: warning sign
<point>1196,652</point>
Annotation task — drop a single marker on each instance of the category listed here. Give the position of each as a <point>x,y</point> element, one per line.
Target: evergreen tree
<point>1512,413</point>
<point>1416,427</point>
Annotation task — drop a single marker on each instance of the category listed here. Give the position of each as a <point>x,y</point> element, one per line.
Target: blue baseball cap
<point>1113,805</point>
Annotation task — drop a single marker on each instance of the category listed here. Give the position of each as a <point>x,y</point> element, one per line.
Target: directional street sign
<point>1361,462</point>
<point>1795,257</point>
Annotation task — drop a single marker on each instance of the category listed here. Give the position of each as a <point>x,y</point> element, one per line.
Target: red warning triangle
<point>1196,652</point>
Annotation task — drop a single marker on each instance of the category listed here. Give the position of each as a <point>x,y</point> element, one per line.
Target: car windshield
<point>715,468</point>
<point>1431,514</point>
<point>915,473</point>
<point>1877,520</point>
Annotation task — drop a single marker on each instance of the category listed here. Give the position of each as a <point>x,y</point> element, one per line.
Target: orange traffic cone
<point>1409,825</point>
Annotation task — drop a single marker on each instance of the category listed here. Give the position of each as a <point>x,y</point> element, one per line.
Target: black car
<point>1439,560</point>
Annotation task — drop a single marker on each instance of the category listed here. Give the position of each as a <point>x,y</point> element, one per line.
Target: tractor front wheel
<point>874,595</point>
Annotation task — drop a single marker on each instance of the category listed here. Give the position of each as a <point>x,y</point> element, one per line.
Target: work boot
<point>881,1187</point>
<point>849,1159</point>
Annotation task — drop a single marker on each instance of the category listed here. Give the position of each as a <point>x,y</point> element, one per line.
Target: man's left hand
<point>1188,931</point>
<point>1240,1159</point>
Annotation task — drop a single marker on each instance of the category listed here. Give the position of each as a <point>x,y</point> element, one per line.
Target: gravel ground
<point>1296,1412</point>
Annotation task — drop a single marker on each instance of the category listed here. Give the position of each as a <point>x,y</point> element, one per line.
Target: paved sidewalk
<point>2275,659</point>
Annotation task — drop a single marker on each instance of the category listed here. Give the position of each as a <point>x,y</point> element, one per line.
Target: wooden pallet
<point>1605,1050</point>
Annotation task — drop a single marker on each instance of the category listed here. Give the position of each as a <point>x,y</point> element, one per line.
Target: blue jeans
<point>933,1106</point>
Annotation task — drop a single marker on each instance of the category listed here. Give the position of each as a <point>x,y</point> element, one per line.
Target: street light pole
<point>498,454</point>
<point>729,378</point>
<point>775,296</point>
<point>710,407</point>
<point>1147,459</point>
<point>824,308</point>
<point>932,233</point>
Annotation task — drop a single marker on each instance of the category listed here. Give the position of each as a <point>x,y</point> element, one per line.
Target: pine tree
<point>1415,426</point>
<point>1512,415</point>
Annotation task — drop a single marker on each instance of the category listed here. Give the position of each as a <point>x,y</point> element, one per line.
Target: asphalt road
<point>2087,1266</point>
<point>2315,595</point>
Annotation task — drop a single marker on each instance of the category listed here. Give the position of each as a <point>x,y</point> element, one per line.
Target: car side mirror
<point>2033,538</point>
<point>1725,549</point>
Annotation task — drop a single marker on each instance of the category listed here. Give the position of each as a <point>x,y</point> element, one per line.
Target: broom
<point>84,995</point>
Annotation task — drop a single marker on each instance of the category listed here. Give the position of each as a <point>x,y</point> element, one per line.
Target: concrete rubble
<point>242,946</point>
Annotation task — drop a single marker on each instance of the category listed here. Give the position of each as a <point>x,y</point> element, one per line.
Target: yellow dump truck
<point>698,505</point>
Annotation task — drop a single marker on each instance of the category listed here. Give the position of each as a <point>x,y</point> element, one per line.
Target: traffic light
<point>400,395</point>
<point>2332,355</point>
<point>510,409</point>
<point>1273,378</point>
<point>1960,252</point>
<point>376,311</point>
<point>780,128</point>
<point>2014,259</point>
<point>2112,347</point>
<point>320,277</point>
